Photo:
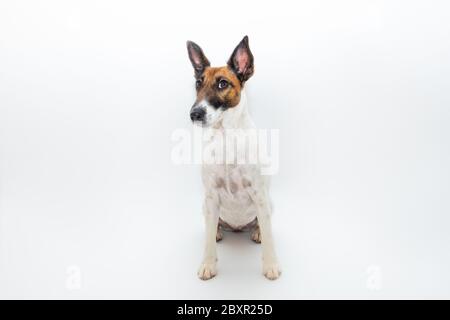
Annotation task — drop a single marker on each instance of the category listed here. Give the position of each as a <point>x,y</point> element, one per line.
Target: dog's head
<point>218,89</point>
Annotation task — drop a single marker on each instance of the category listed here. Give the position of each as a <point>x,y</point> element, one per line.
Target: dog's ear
<point>241,61</point>
<point>197,57</point>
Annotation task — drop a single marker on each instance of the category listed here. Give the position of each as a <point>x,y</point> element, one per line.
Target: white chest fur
<point>232,184</point>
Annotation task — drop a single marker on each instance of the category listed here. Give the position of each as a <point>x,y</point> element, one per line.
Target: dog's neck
<point>237,117</point>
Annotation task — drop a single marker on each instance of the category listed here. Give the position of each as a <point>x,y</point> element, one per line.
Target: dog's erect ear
<point>241,61</point>
<point>197,57</point>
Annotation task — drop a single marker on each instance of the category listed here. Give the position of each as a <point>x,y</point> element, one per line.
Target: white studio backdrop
<point>91,205</point>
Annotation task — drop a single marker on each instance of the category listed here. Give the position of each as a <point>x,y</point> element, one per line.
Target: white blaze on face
<point>212,115</point>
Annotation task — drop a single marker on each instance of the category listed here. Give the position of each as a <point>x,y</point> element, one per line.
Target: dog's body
<point>236,195</point>
<point>229,181</point>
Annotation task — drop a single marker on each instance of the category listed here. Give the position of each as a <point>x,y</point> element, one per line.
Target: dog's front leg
<point>208,267</point>
<point>271,269</point>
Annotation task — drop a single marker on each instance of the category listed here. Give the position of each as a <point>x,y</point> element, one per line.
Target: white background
<point>91,205</point>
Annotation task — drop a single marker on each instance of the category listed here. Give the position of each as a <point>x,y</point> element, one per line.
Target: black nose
<point>198,114</point>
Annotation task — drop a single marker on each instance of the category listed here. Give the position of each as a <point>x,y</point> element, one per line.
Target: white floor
<point>124,250</point>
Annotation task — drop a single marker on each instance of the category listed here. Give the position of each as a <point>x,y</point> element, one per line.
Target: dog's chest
<point>233,184</point>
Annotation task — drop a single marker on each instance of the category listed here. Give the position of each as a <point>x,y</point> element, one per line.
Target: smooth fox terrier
<point>236,195</point>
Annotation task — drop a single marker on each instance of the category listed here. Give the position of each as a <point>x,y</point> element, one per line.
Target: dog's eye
<point>223,84</point>
<point>198,83</point>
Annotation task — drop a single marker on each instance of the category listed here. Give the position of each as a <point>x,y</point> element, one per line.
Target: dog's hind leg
<point>219,234</point>
<point>256,234</point>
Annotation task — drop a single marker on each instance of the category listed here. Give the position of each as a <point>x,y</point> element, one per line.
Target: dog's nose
<point>198,114</point>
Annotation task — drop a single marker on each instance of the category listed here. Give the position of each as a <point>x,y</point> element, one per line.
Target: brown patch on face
<point>219,87</point>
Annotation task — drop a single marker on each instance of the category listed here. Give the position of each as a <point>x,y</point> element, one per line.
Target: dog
<point>236,195</point>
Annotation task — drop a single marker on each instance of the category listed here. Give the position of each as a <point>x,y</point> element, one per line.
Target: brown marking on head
<point>219,86</point>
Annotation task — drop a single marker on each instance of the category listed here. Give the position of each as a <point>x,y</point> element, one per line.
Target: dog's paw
<point>207,271</point>
<point>219,235</point>
<point>271,271</point>
<point>256,235</point>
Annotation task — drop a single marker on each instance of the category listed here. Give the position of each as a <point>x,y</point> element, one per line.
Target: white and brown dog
<point>236,195</point>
